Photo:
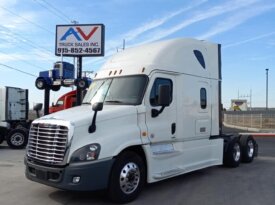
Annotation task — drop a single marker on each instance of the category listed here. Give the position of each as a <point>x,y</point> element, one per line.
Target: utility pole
<point>74,22</point>
<point>250,99</point>
<point>266,88</point>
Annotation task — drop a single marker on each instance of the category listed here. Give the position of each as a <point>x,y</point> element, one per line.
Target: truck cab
<point>66,101</point>
<point>151,113</point>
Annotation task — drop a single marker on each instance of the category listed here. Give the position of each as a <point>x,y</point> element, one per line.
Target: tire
<point>127,177</point>
<point>2,138</point>
<point>232,155</point>
<point>40,84</point>
<point>17,138</point>
<point>20,125</point>
<point>55,87</point>
<point>81,83</point>
<point>248,148</point>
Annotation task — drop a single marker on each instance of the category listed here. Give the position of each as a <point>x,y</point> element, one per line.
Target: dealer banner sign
<point>80,40</point>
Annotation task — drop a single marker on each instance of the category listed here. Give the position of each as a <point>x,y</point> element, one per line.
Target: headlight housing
<point>87,153</point>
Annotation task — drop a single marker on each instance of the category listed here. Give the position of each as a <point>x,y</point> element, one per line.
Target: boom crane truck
<point>152,112</point>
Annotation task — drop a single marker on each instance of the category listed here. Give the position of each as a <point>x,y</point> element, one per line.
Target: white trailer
<point>14,123</point>
<point>152,112</point>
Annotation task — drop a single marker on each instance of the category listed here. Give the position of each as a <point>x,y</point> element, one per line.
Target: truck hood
<point>83,115</point>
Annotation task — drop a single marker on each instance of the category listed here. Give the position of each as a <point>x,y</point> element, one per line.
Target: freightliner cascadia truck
<point>152,112</point>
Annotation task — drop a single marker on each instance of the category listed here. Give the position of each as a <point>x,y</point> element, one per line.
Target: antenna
<point>123,46</point>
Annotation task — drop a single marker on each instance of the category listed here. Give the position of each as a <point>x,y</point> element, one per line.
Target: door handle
<point>173,128</point>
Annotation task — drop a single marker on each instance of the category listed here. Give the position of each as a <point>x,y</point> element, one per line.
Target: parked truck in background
<point>14,111</point>
<point>151,113</point>
<point>66,101</point>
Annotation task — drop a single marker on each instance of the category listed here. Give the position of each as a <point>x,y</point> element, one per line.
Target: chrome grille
<point>47,143</point>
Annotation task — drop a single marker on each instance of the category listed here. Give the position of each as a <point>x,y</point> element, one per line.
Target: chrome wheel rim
<point>40,84</point>
<point>129,178</point>
<point>250,146</point>
<point>236,152</point>
<point>81,84</point>
<point>17,139</point>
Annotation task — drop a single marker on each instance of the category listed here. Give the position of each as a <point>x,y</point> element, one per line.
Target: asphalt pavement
<point>252,184</point>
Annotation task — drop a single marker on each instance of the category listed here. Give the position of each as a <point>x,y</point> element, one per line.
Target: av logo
<point>75,33</point>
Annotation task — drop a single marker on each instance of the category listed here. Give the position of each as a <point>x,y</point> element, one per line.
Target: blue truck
<point>54,78</point>
<point>62,74</point>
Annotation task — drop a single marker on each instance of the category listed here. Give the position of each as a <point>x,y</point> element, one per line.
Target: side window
<point>199,57</point>
<point>59,103</point>
<point>203,98</point>
<point>155,89</point>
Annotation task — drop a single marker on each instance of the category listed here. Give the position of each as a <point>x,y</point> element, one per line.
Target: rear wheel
<point>232,156</point>
<point>2,138</point>
<point>127,177</point>
<point>17,138</point>
<point>81,83</point>
<point>248,148</point>
<point>55,87</point>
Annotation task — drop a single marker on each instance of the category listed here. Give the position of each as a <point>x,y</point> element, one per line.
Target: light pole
<point>266,88</point>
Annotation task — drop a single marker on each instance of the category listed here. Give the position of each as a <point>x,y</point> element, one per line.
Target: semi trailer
<point>14,112</point>
<point>152,112</point>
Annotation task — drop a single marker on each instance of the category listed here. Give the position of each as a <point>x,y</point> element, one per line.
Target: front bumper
<point>93,175</point>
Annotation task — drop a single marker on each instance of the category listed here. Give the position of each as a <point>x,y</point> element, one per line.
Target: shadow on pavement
<point>70,197</point>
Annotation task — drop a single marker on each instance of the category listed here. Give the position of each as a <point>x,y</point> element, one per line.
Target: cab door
<point>161,128</point>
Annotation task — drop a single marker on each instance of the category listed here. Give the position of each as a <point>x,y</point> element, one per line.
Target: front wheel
<point>17,138</point>
<point>40,83</point>
<point>127,177</point>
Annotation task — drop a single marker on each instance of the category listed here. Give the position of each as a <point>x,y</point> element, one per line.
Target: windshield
<point>127,90</point>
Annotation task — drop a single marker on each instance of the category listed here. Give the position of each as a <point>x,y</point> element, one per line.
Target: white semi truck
<point>151,113</point>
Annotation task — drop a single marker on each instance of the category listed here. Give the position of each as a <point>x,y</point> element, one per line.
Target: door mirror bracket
<point>163,99</point>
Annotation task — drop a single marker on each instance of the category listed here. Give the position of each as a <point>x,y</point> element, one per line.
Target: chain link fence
<point>251,119</point>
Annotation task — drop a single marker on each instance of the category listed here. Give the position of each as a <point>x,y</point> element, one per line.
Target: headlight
<point>86,153</point>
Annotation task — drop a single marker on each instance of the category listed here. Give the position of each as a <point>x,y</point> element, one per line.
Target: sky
<point>244,28</point>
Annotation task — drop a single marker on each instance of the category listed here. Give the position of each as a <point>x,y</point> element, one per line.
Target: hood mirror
<point>96,107</point>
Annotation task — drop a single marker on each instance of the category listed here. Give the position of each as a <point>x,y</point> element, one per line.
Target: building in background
<point>238,105</point>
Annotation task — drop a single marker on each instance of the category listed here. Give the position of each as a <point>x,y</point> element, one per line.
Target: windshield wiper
<point>86,103</point>
<point>113,101</point>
